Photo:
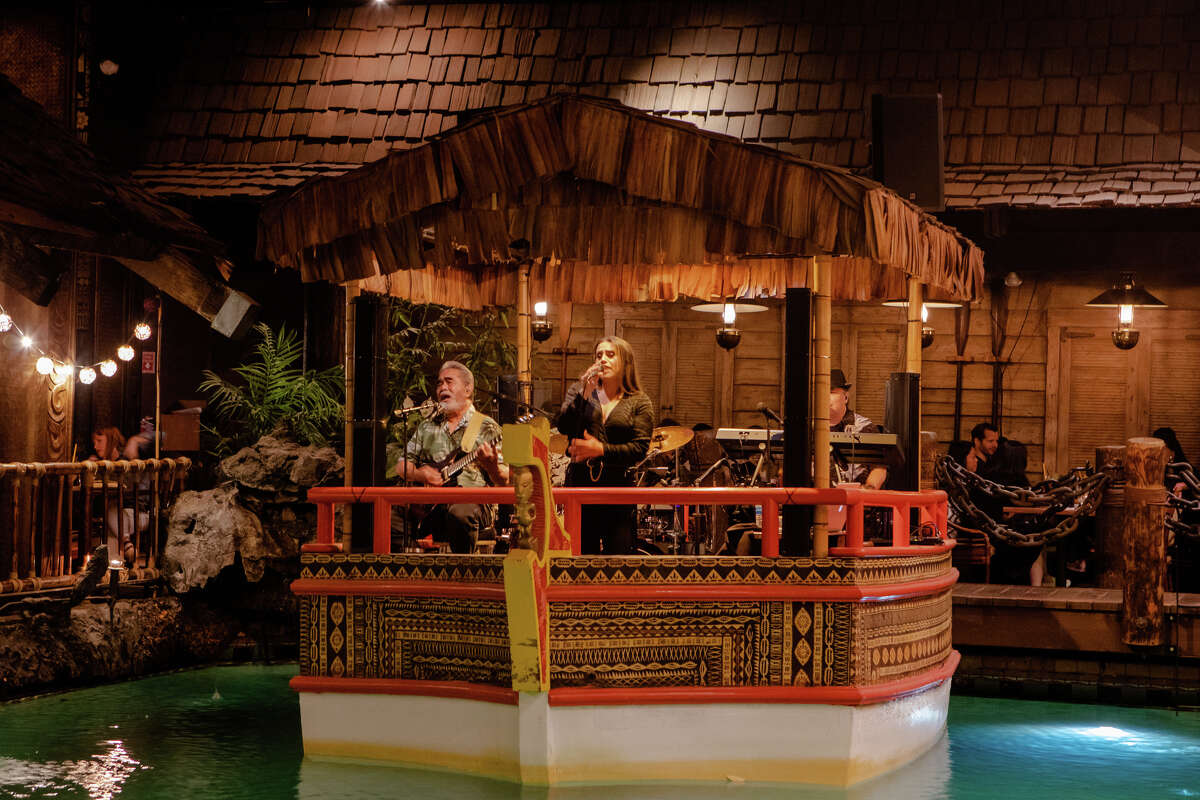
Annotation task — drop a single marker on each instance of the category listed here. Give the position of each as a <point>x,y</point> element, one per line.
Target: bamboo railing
<point>52,515</point>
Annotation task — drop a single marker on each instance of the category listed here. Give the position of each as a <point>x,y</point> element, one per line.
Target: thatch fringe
<point>598,187</point>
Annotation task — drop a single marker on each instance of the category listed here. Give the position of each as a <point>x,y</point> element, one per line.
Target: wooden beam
<point>175,274</point>
<point>55,234</point>
<point>27,269</point>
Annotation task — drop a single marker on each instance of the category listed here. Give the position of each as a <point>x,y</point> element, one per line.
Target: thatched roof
<point>618,204</point>
<point>54,192</point>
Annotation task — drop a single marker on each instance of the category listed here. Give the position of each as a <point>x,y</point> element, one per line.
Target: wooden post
<point>1110,520</point>
<point>929,456</point>
<point>823,321</point>
<point>1145,542</point>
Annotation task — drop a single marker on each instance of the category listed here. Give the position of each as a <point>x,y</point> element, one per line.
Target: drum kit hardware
<point>680,457</point>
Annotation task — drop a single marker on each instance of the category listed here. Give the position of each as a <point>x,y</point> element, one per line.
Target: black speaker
<point>902,416</point>
<point>509,392</point>
<point>907,147</point>
<point>370,409</point>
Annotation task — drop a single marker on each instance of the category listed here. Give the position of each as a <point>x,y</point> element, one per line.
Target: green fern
<point>274,392</point>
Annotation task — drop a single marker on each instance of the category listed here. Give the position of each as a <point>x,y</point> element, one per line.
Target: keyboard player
<point>843,419</point>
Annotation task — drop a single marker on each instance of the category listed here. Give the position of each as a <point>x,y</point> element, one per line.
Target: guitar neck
<point>455,467</point>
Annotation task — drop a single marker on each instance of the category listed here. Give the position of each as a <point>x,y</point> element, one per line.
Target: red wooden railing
<point>931,506</point>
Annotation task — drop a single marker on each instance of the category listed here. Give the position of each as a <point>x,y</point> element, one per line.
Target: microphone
<point>768,413</point>
<point>592,371</point>
<point>428,405</point>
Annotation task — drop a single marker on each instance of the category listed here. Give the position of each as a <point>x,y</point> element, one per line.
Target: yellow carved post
<point>540,534</point>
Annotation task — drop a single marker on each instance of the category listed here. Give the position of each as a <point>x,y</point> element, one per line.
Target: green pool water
<point>234,732</point>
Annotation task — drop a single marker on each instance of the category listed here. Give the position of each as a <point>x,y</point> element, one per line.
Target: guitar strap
<point>471,432</point>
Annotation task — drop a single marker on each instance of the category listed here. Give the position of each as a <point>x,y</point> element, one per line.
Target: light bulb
<point>26,342</point>
<point>729,313</point>
<point>141,331</point>
<point>87,375</point>
<point>540,308</point>
<point>45,366</point>
<point>125,352</point>
<point>1125,315</point>
<point>63,371</point>
<point>5,322</point>
<point>108,368</point>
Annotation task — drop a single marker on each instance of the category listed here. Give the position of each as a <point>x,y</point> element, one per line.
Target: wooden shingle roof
<point>1086,87</point>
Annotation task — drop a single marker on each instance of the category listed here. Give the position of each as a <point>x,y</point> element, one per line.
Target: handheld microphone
<point>766,412</point>
<point>592,371</point>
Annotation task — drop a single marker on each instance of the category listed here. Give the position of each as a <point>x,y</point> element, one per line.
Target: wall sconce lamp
<point>1124,296</point>
<point>927,330</point>
<point>728,336</point>
<point>541,327</point>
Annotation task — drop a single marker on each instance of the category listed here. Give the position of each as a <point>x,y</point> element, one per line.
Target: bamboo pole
<point>912,339</point>
<point>912,351</point>
<point>524,334</point>
<point>819,402</point>
<point>348,361</point>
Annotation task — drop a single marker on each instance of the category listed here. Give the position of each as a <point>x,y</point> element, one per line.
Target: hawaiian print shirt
<point>432,442</point>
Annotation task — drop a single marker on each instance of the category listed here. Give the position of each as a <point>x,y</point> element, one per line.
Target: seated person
<point>843,419</point>
<point>1002,461</point>
<point>992,456</point>
<point>437,441</point>
<point>135,510</point>
<point>107,444</point>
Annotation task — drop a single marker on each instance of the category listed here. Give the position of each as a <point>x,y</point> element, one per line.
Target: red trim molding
<point>853,594</point>
<point>828,695</point>
<point>318,547</point>
<point>456,689</point>
<point>366,586</point>
<point>888,551</point>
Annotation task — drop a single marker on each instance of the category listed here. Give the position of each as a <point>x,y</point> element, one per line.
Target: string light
<point>61,371</point>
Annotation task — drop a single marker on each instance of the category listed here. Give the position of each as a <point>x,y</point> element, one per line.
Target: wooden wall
<point>1066,388</point>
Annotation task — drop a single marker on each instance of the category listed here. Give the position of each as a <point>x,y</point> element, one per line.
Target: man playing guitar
<point>457,445</point>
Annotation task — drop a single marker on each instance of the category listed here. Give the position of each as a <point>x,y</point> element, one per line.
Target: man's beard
<point>452,406</point>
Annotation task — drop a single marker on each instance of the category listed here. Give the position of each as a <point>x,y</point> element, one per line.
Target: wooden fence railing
<point>52,516</point>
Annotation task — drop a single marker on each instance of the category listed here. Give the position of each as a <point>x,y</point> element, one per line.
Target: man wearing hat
<point>843,419</point>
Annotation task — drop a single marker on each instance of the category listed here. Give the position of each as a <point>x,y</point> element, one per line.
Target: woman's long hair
<point>1172,442</point>
<point>113,440</point>
<point>629,377</point>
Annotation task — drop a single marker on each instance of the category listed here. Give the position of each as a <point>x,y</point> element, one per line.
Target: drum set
<point>681,457</point>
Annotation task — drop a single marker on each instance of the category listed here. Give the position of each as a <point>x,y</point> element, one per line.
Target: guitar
<point>460,459</point>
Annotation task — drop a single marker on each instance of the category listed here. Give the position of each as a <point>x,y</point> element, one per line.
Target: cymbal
<point>558,443</point>
<point>670,438</point>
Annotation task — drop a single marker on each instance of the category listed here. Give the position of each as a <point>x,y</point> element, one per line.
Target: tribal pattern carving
<point>722,570</point>
<point>901,638</point>
<point>635,644</point>
<point>423,638</point>
<point>403,567</point>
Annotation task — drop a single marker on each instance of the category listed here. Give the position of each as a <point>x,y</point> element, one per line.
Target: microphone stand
<point>519,403</point>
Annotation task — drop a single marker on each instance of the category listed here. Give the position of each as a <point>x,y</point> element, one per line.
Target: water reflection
<point>102,776</point>
<point>927,778</point>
